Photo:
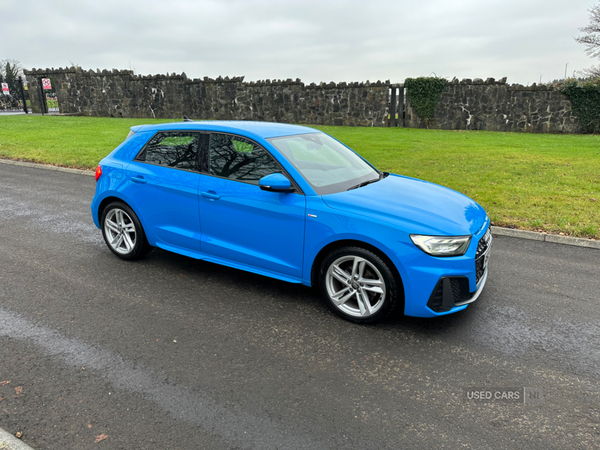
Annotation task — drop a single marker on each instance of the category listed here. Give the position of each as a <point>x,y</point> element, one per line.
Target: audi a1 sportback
<point>293,203</point>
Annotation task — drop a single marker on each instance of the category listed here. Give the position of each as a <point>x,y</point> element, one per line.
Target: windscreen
<point>326,164</point>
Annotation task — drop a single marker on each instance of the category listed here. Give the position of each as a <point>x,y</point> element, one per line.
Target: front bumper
<point>448,285</point>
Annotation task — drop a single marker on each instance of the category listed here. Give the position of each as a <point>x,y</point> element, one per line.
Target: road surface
<point>174,353</point>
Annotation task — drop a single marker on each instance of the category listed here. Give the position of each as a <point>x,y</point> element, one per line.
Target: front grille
<point>483,249</point>
<point>455,284</point>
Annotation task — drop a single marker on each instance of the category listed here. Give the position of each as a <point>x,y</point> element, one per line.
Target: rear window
<point>172,149</point>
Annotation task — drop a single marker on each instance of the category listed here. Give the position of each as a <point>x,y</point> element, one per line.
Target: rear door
<point>163,187</point>
<point>242,223</point>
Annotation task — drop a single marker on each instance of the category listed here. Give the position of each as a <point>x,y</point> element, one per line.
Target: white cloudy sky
<point>315,40</point>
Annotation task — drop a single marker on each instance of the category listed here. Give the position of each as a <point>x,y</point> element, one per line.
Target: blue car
<point>293,203</point>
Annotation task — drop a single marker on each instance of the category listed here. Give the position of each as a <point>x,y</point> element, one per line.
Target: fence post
<point>23,95</point>
<point>401,106</point>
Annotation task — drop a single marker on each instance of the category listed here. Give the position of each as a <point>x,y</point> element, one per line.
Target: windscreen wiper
<point>364,183</point>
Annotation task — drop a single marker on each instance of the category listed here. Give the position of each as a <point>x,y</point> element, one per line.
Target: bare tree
<point>591,40</point>
<point>591,72</point>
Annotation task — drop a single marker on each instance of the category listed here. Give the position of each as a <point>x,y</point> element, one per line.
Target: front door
<point>242,223</point>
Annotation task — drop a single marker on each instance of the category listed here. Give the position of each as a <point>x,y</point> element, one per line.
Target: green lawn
<point>531,181</point>
<point>63,141</point>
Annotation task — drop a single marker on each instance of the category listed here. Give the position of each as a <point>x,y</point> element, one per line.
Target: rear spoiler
<point>137,128</point>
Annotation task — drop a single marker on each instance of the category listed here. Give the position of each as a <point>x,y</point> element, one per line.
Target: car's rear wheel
<point>123,232</point>
<point>358,285</point>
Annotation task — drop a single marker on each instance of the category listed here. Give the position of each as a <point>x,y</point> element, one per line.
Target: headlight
<point>442,245</point>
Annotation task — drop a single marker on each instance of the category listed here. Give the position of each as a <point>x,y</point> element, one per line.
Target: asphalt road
<point>173,353</point>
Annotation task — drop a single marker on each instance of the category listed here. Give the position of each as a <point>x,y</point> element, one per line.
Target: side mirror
<point>276,182</point>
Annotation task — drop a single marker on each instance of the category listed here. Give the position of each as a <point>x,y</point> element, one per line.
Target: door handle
<point>138,179</point>
<point>211,195</point>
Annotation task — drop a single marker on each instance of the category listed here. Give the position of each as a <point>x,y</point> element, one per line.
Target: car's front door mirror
<point>276,182</point>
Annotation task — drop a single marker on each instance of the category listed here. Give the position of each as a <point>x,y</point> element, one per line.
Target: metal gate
<point>48,97</point>
<point>14,96</point>
<point>397,106</point>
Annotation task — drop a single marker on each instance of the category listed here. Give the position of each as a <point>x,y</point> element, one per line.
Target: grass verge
<point>542,182</point>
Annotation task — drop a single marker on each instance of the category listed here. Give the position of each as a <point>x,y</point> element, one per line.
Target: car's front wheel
<point>359,285</point>
<point>123,232</point>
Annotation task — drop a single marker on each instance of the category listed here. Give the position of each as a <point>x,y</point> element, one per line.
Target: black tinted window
<point>239,159</point>
<point>176,149</point>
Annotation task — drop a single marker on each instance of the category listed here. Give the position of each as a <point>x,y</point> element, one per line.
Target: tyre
<point>123,232</point>
<point>359,285</point>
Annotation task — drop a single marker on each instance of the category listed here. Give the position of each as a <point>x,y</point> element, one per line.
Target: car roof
<point>263,130</point>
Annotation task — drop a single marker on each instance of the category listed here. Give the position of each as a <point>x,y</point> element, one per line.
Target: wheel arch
<point>355,243</point>
<point>110,198</point>
<point>107,201</point>
<point>140,246</point>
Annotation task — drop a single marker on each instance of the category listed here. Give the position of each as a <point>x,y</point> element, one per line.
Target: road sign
<point>46,83</point>
<point>5,89</point>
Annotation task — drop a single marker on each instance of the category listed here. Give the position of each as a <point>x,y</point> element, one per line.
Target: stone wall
<point>496,106</point>
<point>464,105</point>
<point>123,94</point>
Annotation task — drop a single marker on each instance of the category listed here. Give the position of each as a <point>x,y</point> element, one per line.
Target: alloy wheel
<point>355,286</point>
<point>120,231</point>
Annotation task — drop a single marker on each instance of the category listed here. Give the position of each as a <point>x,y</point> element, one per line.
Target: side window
<point>173,149</point>
<point>239,159</point>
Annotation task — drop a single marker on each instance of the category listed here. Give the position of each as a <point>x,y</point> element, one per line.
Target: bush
<point>424,94</point>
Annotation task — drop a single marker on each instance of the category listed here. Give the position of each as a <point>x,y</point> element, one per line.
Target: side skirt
<point>228,263</point>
